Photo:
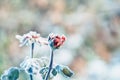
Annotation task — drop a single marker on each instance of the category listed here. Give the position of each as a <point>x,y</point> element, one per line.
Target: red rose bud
<point>56,41</point>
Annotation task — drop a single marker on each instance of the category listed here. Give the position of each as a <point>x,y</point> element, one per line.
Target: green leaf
<point>64,70</point>
<point>54,72</point>
<point>11,74</point>
<point>43,72</point>
<point>67,72</point>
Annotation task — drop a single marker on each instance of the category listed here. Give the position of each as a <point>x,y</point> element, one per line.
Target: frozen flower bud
<point>31,37</point>
<point>11,74</point>
<point>55,41</point>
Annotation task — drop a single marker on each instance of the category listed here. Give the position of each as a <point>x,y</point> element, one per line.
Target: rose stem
<point>50,64</point>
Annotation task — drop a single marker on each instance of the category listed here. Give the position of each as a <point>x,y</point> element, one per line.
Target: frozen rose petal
<point>55,41</point>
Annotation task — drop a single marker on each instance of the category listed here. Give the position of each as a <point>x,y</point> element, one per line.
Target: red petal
<point>63,38</point>
<point>34,36</point>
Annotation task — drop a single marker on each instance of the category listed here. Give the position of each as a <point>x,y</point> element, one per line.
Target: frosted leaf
<point>10,74</point>
<point>64,70</point>
<point>33,65</point>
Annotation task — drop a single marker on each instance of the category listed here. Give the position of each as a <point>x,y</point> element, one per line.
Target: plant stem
<point>31,55</point>
<point>50,64</point>
<point>31,77</point>
<point>32,49</point>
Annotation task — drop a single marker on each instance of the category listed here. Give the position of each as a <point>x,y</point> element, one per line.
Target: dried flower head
<point>31,37</point>
<point>55,41</point>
